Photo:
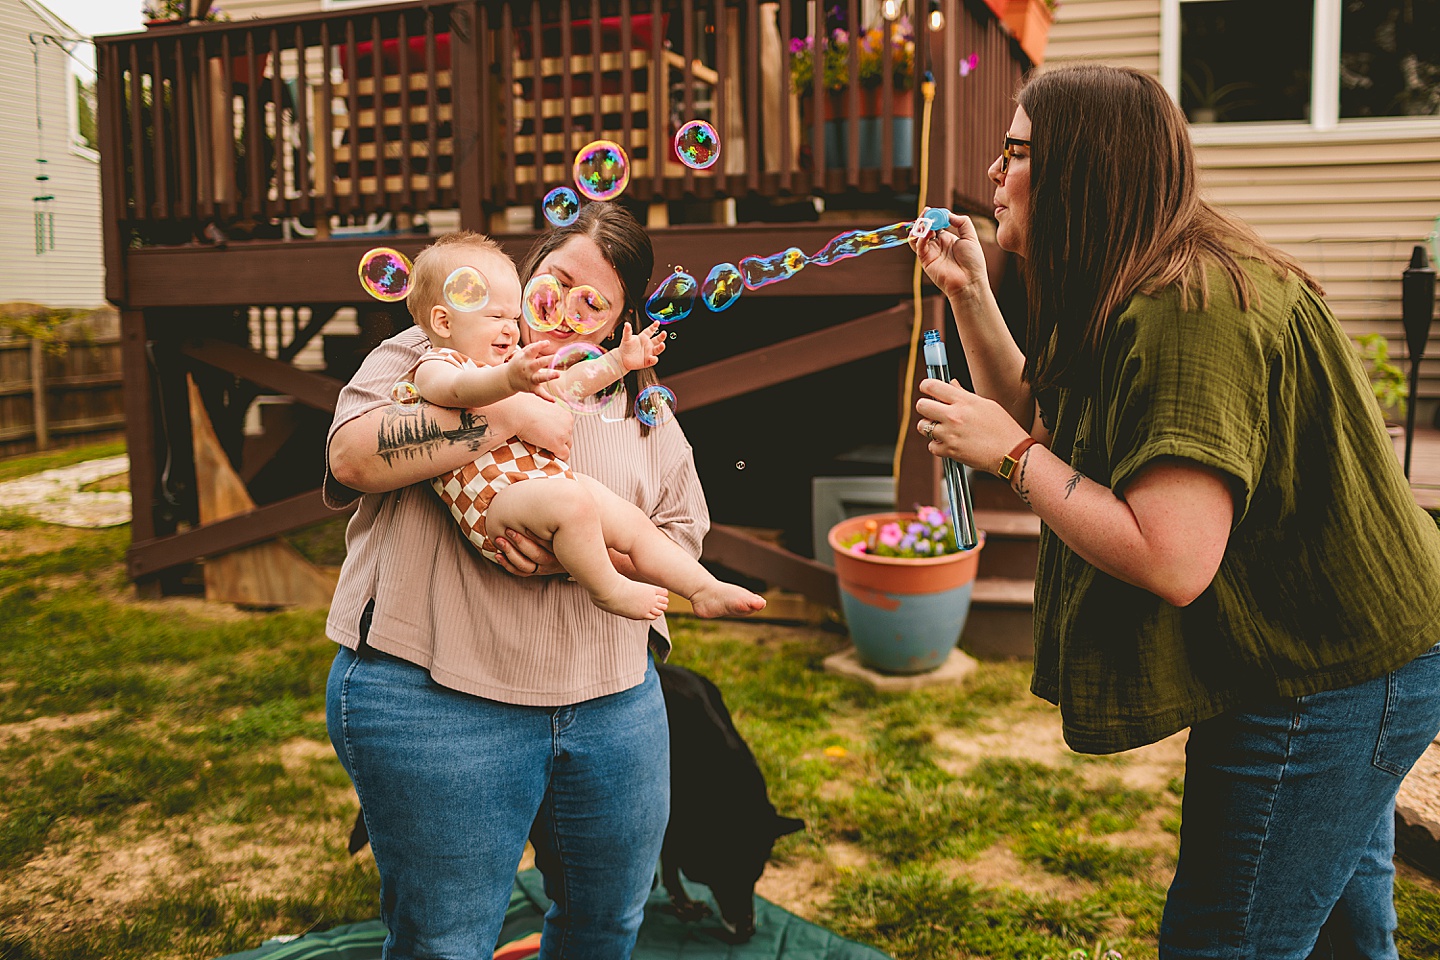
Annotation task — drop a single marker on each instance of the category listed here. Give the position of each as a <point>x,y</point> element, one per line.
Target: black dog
<point>722,824</point>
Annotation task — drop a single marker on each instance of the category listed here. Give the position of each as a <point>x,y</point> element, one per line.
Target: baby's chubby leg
<point>563,512</point>
<point>661,560</point>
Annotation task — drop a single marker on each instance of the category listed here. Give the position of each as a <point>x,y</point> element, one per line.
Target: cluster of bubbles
<point>674,298</point>
<point>602,172</point>
<point>546,304</point>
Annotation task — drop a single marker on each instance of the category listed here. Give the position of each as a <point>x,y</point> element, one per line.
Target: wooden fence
<point>65,394</point>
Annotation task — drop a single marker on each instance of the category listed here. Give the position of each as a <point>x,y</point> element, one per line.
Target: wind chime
<point>44,213</point>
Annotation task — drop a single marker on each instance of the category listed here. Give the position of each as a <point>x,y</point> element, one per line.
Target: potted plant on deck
<point>1029,22</point>
<point>833,53</point>
<point>905,587</point>
<point>1388,382</point>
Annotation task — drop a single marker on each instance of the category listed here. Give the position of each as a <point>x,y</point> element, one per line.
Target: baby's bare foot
<point>638,601</point>
<point>722,599</point>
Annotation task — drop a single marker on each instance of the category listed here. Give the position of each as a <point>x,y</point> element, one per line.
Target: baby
<point>476,360</point>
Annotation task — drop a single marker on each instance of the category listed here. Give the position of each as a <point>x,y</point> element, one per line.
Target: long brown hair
<point>1115,209</point>
<point>626,247</point>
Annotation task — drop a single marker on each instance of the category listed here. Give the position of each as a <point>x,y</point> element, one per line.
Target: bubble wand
<point>962,513</point>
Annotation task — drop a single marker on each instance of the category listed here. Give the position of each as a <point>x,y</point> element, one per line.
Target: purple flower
<point>840,36</point>
<point>799,44</point>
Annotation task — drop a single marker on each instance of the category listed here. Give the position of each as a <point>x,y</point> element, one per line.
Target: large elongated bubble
<point>757,272</point>
<point>722,287</point>
<point>673,299</point>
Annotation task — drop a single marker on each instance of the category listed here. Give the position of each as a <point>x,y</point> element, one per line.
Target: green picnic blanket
<point>779,934</point>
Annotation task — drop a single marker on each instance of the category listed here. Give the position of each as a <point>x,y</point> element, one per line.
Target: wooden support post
<point>37,395</point>
<point>469,138</point>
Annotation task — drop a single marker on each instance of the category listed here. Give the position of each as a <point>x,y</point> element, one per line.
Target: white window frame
<point>1324,124</point>
<point>78,146</point>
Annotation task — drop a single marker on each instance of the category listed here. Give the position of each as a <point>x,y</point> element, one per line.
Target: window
<point>1311,63</point>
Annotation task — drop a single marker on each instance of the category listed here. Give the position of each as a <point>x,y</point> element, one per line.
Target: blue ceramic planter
<point>905,616</point>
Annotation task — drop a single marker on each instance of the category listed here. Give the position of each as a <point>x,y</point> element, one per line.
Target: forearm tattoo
<point>1072,483</point>
<point>1022,489</point>
<point>408,430</point>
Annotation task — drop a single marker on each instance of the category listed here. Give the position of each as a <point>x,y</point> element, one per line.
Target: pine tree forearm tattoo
<point>408,430</point>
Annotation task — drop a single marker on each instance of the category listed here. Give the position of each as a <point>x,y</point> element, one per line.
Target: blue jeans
<point>1288,822</point>
<point>451,784</point>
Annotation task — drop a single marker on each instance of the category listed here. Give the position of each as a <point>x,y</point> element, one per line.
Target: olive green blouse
<point>1332,572</point>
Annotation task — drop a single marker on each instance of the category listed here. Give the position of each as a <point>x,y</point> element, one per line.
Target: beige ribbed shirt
<point>535,641</point>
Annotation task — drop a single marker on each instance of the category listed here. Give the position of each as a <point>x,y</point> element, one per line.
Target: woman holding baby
<point>470,703</point>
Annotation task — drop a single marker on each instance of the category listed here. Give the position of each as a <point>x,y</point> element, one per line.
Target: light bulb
<point>890,9</point>
<point>937,19</point>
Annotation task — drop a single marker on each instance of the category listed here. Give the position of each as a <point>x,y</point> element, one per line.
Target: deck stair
<point>1000,625</point>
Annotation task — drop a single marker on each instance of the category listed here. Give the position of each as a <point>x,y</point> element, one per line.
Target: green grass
<point>169,762</point>
<point>15,467</point>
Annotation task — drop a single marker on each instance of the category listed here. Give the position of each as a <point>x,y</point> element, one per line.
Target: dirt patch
<point>88,879</point>
<point>1031,736</point>
<point>296,755</point>
<point>39,538</point>
<point>999,867</point>
<point>197,607</point>
<point>24,730</point>
<point>798,885</point>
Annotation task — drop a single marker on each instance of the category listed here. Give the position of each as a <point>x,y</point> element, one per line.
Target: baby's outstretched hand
<point>528,370</point>
<point>640,350</point>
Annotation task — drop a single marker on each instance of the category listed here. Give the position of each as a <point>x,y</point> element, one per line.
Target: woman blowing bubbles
<point>1228,542</point>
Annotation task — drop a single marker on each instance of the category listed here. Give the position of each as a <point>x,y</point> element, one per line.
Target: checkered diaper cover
<point>469,490</point>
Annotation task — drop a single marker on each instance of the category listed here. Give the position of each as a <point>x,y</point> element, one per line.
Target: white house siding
<point>73,274</point>
<point>1350,209</point>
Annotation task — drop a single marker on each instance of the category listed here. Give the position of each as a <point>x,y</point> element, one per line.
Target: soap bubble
<point>385,274</point>
<point>542,302</point>
<point>757,272</point>
<point>405,392</point>
<point>590,390</point>
<point>561,206</point>
<point>655,405</point>
<point>602,170</point>
<point>722,287</point>
<point>697,145</point>
<point>466,289</point>
<point>739,464</point>
<point>585,309</point>
<point>673,299</point>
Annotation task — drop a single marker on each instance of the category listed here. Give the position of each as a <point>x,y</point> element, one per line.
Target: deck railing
<point>475,106</point>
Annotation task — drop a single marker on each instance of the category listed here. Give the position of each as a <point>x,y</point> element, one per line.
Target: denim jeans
<point>451,785</point>
<point>1288,821</point>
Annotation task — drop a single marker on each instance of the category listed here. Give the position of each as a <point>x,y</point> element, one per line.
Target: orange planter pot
<point>1029,21</point>
<point>904,615</point>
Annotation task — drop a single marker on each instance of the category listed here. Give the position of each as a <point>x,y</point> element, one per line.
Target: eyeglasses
<point>1007,154</point>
